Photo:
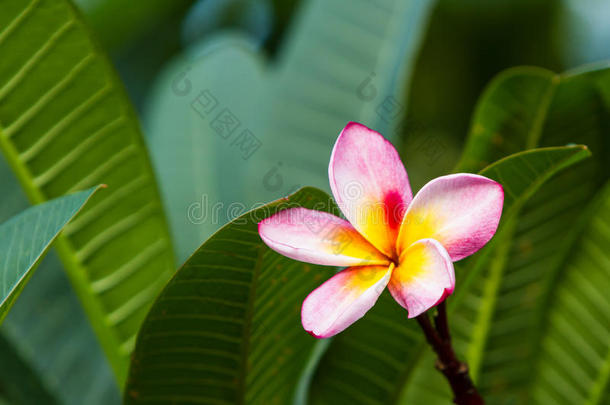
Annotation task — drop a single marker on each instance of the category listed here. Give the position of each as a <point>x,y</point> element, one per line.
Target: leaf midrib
<point>535,132</point>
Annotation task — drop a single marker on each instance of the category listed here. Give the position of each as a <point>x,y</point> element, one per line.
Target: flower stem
<point>456,372</point>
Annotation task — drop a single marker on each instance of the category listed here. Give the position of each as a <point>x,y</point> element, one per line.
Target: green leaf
<point>337,65</point>
<point>59,95</point>
<point>523,173</point>
<point>226,329</point>
<point>59,355</point>
<point>574,360</point>
<point>374,359</point>
<point>25,238</point>
<point>512,109</point>
<point>543,237</point>
<point>528,107</point>
<point>499,327</point>
<point>515,173</point>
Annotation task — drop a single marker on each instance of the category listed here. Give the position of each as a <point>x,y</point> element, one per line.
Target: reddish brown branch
<point>456,372</point>
<point>442,326</point>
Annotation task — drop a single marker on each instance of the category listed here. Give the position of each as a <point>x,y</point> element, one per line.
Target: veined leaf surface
<point>25,238</point>
<point>66,125</point>
<point>227,328</point>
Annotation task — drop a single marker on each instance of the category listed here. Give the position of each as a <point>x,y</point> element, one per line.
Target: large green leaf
<point>574,360</point>
<point>226,329</point>
<point>25,238</point>
<point>506,341</point>
<point>338,64</point>
<point>59,95</point>
<point>498,327</point>
<point>373,360</point>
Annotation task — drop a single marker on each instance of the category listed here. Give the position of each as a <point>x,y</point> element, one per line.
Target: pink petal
<point>319,238</point>
<point>424,277</point>
<point>343,299</point>
<point>461,211</point>
<point>370,184</point>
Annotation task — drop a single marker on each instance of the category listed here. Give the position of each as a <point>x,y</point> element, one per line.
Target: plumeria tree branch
<point>456,372</point>
<point>440,320</point>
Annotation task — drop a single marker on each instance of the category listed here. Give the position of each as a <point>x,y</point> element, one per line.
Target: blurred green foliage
<point>119,24</point>
<point>283,106</point>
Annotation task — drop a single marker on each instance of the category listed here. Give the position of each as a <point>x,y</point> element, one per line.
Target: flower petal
<point>423,278</point>
<point>370,184</point>
<point>318,237</point>
<point>343,299</point>
<point>461,211</point>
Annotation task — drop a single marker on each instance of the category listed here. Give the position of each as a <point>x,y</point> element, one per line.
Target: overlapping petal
<point>343,299</point>
<point>370,184</point>
<point>318,237</point>
<point>423,278</point>
<point>461,211</point>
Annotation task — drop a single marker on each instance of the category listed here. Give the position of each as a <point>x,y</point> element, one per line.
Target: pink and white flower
<point>390,238</point>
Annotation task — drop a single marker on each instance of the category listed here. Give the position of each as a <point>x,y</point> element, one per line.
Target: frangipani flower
<point>390,238</point>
